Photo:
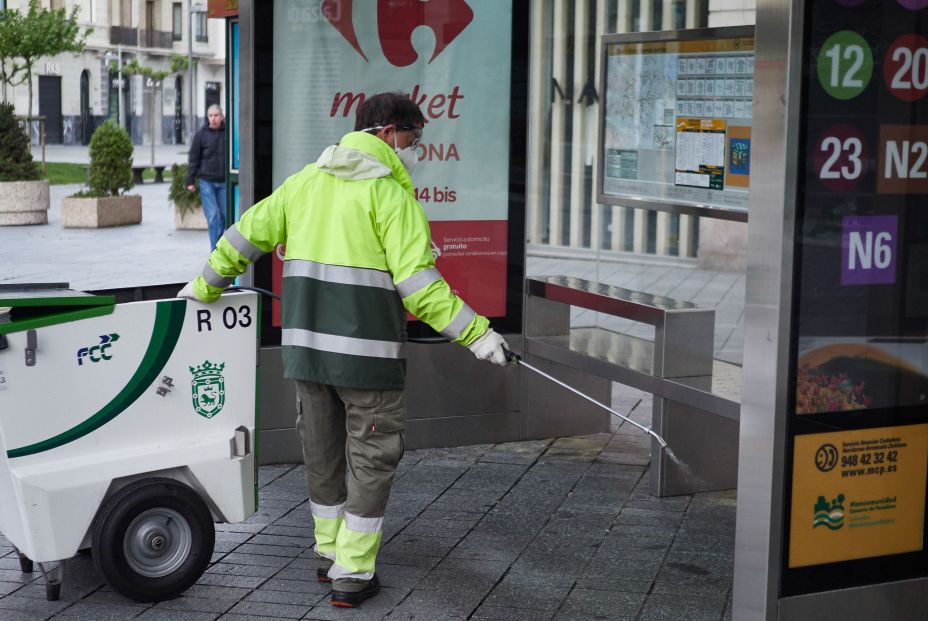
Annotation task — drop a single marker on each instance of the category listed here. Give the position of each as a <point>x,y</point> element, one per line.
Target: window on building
<point>177,22</point>
<point>57,4</point>
<point>152,15</point>
<point>202,34</point>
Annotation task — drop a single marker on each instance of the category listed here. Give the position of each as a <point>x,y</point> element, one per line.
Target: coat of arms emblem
<point>208,388</point>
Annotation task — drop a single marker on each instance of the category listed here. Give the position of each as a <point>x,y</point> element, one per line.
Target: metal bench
<point>138,170</point>
<point>696,399</point>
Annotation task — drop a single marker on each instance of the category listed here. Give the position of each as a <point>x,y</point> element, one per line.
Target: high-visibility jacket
<point>358,255</point>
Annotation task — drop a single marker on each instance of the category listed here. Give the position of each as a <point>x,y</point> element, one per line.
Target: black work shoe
<point>348,592</point>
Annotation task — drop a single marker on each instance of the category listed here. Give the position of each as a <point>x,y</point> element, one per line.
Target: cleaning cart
<point>127,429</point>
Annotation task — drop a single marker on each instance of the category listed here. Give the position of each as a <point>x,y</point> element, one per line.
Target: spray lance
<point>516,359</point>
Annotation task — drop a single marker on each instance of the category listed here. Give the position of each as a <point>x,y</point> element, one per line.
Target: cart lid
<point>31,306</point>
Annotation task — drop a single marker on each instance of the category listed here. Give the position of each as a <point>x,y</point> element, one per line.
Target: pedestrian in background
<point>359,257</point>
<point>206,166</point>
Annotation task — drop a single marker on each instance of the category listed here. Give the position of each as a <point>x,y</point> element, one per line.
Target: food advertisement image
<point>844,374</point>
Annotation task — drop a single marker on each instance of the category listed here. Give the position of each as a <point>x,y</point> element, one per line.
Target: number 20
<point>917,63</point>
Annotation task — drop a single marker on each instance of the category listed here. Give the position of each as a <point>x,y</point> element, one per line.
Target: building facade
<point>77,92</point>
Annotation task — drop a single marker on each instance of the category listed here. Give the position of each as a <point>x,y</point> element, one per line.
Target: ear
<point>386,134</point>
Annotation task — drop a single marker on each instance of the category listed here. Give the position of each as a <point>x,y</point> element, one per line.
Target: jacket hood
<point>362,156</point>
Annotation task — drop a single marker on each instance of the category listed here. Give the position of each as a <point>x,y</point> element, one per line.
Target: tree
<point>157,76</point>
<point>10,36</point>
<point>44,32</point>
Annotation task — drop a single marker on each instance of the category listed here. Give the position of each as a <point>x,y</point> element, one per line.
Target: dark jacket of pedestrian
<point>207,158</point>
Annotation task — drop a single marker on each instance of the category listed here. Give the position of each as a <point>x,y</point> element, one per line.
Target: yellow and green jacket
<point>358,255</point>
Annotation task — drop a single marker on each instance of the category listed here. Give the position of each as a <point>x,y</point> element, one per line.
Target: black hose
<point>256,290</point>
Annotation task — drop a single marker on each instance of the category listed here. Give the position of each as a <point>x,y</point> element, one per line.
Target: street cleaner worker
<point>358,256</point>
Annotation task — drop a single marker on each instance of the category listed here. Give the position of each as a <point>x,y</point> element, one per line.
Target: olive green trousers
<point>352,441</point>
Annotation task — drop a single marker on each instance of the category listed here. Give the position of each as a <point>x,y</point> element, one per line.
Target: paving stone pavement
<point>557,529</point>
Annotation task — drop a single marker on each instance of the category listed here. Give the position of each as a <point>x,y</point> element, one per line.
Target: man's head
<point>392,117</point>
<point>214,116</point>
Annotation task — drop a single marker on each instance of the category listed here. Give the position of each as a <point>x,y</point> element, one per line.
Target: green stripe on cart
<point>169,319</point>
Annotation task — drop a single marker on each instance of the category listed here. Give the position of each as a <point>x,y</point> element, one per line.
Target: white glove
<point>490,347</point>
<point>187,292</point>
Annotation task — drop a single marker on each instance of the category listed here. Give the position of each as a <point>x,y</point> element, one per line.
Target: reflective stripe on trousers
<point>356,547</point>
<point>328,520</point>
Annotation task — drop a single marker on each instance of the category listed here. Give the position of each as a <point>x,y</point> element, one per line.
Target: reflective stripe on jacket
<point>358,256</point>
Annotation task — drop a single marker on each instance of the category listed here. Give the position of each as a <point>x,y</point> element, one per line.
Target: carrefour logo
<point>396,21</point>
<point>98,352</point>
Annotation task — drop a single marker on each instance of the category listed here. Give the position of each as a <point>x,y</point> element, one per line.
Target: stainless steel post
<point>190,85</point>
<point>121,109</point>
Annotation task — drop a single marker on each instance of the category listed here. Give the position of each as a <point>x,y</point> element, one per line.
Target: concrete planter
<point>94,213</point>
<point>190,220</point>
<point>23,202</point>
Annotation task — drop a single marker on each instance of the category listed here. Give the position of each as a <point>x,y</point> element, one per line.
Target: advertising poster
<point>863,273</point>
<point>453,58</point>
<point>222,8</point>
<point>858,412</point>
<point>858,494</point>
<point>677,121</point>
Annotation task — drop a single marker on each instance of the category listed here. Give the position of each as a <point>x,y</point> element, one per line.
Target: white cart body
<point>163,388</point>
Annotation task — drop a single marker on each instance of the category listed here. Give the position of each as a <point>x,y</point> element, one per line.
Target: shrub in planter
<point>110,160</point>
<point>23,196</point>
<point>109,175</point>
<point>188,213</point>
<point>15,153</point>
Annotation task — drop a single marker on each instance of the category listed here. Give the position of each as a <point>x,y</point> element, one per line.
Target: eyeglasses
<point>416,134</point>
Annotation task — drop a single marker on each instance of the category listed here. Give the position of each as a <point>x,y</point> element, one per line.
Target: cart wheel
<point>153,539</point>
<point>25,564</point>
<point>52,591</point>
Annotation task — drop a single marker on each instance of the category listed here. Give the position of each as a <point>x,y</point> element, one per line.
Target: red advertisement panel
<point>222,8</point>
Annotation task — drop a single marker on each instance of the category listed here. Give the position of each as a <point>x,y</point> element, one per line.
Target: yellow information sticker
<point>858,494</point>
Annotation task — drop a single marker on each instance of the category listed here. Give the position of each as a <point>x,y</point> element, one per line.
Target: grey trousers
<point>352,441</point>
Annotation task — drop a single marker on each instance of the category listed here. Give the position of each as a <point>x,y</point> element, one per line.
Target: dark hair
<point>388,109</point>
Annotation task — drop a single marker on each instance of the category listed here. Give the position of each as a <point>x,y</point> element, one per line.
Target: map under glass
<point>677,121</point>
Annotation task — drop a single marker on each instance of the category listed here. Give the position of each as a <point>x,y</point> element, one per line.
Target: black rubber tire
<point>25,564</point>
<point>113,520</point>
<point>52,591</point>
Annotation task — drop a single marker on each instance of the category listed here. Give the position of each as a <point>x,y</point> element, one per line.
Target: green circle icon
<point>845,64</point>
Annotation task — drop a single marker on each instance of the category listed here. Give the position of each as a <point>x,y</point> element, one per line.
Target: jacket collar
<point>384,153</point>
